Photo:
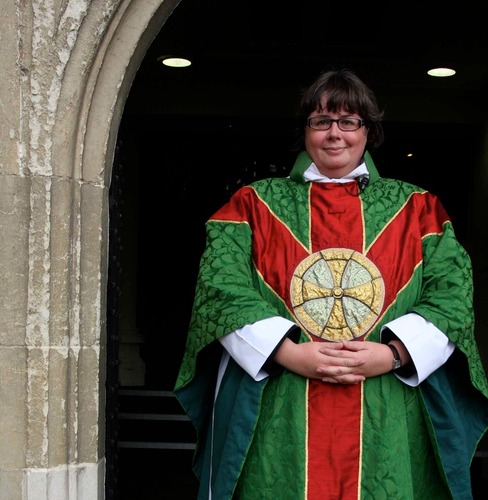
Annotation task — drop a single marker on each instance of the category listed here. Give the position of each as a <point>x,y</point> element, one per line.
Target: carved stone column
<point>66,70</point>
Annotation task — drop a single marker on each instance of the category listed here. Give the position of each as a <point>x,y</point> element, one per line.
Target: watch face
<point>397,360</point>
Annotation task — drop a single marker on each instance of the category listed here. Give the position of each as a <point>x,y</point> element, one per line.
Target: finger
<point>341,358</point>
<point>344,379</point>
<point>336,346</point>
<point>332,352</point>
<point>352,345</point>
<point>338,371</point>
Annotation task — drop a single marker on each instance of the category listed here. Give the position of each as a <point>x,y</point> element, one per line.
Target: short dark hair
<point>345,91</point>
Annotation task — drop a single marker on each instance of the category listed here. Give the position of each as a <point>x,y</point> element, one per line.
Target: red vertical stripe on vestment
<point>334,441</point>
<point>336,217</point>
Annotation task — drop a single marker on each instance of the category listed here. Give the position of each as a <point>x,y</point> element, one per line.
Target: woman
<point>331,352</point>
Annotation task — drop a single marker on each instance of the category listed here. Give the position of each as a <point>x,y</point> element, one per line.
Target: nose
<point>334,128</point>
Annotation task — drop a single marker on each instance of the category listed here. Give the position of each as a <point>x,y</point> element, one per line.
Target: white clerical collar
<point>312,174</point>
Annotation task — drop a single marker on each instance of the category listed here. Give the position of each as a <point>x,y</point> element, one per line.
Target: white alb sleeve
<point>428,347</point>
<point>251,345</point>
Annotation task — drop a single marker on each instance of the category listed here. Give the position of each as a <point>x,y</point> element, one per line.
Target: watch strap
<point>397,360</point>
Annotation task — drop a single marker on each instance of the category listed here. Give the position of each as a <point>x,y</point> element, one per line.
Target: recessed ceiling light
<point>175,62</point>
<point>441,72</point>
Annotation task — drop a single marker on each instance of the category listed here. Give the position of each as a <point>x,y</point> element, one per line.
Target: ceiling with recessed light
<point>254,57</point>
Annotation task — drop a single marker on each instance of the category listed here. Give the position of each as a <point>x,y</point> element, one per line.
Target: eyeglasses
<point>344,124</point>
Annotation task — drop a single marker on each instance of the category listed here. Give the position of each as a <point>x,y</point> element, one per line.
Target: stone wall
<point>66,70</point>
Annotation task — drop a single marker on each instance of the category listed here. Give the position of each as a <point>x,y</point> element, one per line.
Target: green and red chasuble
<point>340,266</point>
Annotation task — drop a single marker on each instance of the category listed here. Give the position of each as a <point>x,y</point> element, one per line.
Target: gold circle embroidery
<point>337,294</point>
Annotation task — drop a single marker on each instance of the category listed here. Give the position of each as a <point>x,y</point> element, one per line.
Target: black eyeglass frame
<point>360,121</point>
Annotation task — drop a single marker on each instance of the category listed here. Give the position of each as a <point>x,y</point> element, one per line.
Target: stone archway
<point>67,72</point>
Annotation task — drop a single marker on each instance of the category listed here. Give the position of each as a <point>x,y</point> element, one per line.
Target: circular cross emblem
<point>337,294</point>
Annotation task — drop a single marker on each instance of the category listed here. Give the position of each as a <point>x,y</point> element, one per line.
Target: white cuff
<point>428,347</point>
<point>251,345</point>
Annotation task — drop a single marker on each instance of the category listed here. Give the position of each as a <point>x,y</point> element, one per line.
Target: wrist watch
<point>397,360</point>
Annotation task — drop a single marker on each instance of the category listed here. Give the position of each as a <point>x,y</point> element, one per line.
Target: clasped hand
<point>346,362</point>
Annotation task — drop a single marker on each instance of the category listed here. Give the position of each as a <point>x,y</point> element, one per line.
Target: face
<point>335,152</point>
